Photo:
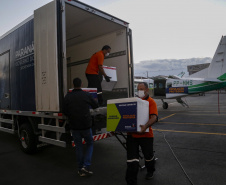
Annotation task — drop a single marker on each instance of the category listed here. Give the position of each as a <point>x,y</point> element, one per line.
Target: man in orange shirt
<point>95,71</point>
<point>142,139</point>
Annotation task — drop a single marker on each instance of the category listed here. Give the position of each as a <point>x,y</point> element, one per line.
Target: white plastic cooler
<point>127,114</point>
<point>110,71</point>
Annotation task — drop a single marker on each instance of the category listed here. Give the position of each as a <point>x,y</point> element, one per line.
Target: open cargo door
<point>46,58</point>
<point>131,68</point>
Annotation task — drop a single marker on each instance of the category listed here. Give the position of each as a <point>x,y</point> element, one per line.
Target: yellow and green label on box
<point>122,117</point>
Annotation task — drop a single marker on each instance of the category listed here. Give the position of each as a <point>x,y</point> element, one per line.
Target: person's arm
<point>100,67</point>
<point>107,78</point>
<point>93,103</point>
<point>102,72</point>
<point>150,122</point>
<point>153,112</point>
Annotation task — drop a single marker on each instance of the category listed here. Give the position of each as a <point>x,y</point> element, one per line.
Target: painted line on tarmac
<point>208,133</point>
<point>206,111</point>
<point>205,105</point>
<point>195,124</point>
<point>187,113</point>
<point>167,117</point>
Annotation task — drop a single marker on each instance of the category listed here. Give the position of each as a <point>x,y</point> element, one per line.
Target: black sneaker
<point>87,171</point>
<point>81,173</point>
<point>149,175</point>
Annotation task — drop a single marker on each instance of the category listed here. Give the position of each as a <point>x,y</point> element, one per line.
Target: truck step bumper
<point>52,141</point>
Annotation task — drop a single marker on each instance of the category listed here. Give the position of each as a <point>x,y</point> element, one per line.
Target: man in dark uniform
<point>77,107</point>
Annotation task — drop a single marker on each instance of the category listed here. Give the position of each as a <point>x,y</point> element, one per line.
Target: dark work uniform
<point>92,74</point>
<point>145,141</point>
<point>77,107</point>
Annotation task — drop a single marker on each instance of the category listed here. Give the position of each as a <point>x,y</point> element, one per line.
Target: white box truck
<point>39,59</point>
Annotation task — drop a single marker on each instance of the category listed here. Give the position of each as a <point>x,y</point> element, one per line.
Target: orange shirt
<point>152,110</point>
<point>94,62</point>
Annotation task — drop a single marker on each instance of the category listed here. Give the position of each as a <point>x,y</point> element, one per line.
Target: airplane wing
<point>211,80</point>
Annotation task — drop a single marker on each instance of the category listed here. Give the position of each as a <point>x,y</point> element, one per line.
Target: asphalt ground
<point>196,135</point>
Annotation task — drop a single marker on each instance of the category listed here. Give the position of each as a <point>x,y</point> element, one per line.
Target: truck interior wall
<point>79,55</point>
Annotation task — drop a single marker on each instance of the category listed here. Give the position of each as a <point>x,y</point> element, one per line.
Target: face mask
<point>107,54</point>
<point>141,94</point>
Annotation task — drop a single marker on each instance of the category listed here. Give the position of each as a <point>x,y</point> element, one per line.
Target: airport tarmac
<point>196,135</point>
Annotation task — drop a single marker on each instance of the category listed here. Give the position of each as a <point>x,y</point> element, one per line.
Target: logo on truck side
<point>25,51</point>
<point>25,57</point>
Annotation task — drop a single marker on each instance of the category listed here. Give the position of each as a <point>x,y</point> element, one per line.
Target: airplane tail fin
<point>217,68</point>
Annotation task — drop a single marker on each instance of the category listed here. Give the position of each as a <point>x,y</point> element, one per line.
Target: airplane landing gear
<point>164,104</point>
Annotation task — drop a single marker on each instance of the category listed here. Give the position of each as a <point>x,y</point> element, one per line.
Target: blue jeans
<point>83,161</point>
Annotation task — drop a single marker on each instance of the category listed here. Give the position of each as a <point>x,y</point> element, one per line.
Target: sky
<point>162,29</point>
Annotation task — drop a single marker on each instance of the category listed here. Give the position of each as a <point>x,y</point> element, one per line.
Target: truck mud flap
<point>52,141</point>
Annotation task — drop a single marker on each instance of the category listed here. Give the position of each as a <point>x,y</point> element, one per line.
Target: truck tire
<point>28,140</point>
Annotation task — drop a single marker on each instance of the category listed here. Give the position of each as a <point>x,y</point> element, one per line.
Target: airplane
<point>208,79</point>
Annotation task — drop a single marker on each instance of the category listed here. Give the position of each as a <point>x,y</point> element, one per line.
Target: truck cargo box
<point>41,56</point>
<point>17,84</point>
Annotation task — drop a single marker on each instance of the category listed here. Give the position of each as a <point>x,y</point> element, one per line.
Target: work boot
<point>149,176</point>
<point>150,165</point>
<point>131,172</point>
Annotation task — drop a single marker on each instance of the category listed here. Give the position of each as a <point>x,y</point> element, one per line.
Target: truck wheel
<point>165,105</point>
<point>28,140</point>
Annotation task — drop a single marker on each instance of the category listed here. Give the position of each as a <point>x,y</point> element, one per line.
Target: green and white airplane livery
<point>211,78</point>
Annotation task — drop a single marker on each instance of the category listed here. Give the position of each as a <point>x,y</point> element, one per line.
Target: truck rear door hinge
<point>129,31</point>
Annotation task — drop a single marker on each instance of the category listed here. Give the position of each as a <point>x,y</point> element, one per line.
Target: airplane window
<point>135,88</point>
<point>169,85</point>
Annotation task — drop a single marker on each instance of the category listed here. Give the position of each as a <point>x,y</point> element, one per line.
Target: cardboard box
<point>127,114</point>
<point>110,71</point>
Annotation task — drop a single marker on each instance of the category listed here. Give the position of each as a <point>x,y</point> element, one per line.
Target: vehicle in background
<point>211,78</point>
